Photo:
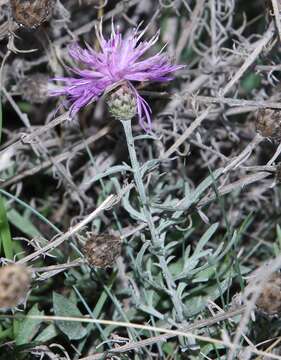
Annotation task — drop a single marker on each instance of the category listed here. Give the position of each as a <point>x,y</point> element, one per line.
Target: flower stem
<point>138,180</point>
<point>158,244</point>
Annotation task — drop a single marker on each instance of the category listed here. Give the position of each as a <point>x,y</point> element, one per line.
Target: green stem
<point>138,180</point>
<point>127,125</point>
<point>5,234</point>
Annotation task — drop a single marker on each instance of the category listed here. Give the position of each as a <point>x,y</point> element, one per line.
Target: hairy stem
<point>127,125</point>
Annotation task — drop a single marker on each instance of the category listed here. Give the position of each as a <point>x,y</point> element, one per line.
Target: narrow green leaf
<point>5,234</point>
<point>104,296</point>
<point>205,238</point>
<point>150,310</point>
<point>64,307</point>
<point>1,121</point>
<point>22,223</point>
<point>250,82</point>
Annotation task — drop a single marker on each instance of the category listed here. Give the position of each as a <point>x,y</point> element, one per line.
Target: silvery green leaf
<point>205,184</point>
<point>187,252</point>
<point>191,263</point>
<point>196,304</point>
<point>228,246</point>
<point>112,170</point>
<point>152,311</point>
<point>204,275</point>
<point>170,258</point>
<point>145,137</point>
<point>129,208</point>
<point>193,196</point>
<point>180,289</point>
<point>47,334</point>
<point>205,238</point>
<point>23,223</point>
<point>28,328</point>
<point>149,165</point>
<point>65,307</point>
<point>140,256</point>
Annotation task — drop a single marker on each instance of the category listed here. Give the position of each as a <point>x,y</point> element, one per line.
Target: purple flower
<point>119,60</point>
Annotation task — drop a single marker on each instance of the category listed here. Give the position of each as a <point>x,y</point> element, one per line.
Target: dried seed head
<point>268,123</point>
<point>31,13</point>
<point>14,284</point>
<point>122,103</point>
<point>102,250</point>
<point>269,302</point>
<point>34,88</point>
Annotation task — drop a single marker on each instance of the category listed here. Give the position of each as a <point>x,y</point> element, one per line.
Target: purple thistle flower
<point>119,60</point>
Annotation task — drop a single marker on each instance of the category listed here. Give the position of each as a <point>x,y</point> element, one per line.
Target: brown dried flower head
<point>268,123</point>
<point>102,250</point>
<point>34,88</point>
<point>31,13</point>
<point>269,302</point>
<point>14,284</point>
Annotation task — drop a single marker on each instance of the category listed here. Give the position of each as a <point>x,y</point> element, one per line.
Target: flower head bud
<point>102,250</point>
<point>14,284</point>
<point>122,103</point>
<point>268,123</point>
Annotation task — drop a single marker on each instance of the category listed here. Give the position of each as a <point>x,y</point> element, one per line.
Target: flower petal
<point>119,60</point>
